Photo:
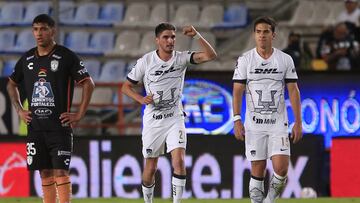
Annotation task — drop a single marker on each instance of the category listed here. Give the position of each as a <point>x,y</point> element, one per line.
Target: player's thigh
<point>279,144</point>
<point>153,141</point>
<point>61,146</point>
<point>38,155</point>
<point>176,136</point>
<point>256,144</point>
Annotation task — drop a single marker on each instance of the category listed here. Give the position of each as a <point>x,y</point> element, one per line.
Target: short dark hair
<point>267,20</point>
<point>44,18</point>
<point>162,27</point>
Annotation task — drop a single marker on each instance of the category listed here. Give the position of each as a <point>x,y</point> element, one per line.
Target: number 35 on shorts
<point>30,149</point>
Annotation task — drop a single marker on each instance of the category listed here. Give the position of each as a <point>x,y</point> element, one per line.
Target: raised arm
<point>207,52</point>
<point>294,95</point>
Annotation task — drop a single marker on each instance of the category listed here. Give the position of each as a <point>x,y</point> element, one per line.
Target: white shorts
<point>263,145</point>
<point>155,138</point>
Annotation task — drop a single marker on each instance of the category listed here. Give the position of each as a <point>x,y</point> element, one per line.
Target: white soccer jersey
<point>265,87</point>
<point>164,80</point>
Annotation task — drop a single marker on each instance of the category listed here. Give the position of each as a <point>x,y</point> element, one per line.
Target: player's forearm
<point>237,100</point>
<point>294,95</point>
<point>88,88</point>
<point>209,51</point>
<point>14,96</point>
<point>128,90</point>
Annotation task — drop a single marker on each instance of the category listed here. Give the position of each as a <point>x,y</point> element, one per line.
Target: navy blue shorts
<point>49,149</point>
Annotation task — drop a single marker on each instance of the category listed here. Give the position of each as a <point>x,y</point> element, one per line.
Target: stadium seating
<point>113,71</point>
<point>11,13</point>
<point>35,8</point>
<point>67,12</point>
<point>127,42</point>
<point>102,95</point>
<point>304,11</point>
<point>137,14</point>
<point>111,13</point>
<point>235,16</point>
<point>211,15</point>
<point>8,68</point>
<point>186,14</point>
<point>101,42</point>
<point>78,41</point>
<point>94,67</point>
<point>158,14</point>
<point>7,40</point>
<point>147,43</point>
<point>25,41</point>
<point>86,14</point>
<point>322,11</point>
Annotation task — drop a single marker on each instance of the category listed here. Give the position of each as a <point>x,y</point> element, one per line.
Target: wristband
<point>237,117</point>
<point>197,36</point>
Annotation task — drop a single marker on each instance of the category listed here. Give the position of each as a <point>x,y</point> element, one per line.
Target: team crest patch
<point>148,151</point>
<point>253,152</point>
<point>29,160</point>
<point>54,65</point>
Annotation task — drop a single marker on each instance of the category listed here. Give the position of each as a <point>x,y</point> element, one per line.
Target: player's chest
<point>266,69</point>
<point>43,68</point>
<point>161,72</point>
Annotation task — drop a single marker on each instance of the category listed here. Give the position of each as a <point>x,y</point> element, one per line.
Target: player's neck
<point>164,55</point>
<point>43,51</point>
<point>265,52</point>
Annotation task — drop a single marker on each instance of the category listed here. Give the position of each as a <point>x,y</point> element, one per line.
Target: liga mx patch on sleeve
<point>14,176</point>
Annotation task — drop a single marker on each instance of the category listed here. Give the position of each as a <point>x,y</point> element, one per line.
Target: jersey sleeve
<point>137,72</point>
<point>240,73</point>
<point>18,74</point>
<point>290,75</point>
<point>186,57</point>
<point>78,70</point>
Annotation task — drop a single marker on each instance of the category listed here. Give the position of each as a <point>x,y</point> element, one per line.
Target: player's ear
<point>273,35</point>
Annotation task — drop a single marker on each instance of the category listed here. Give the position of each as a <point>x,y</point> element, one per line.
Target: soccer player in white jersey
<point>262,73</point>
<point>162,73</point>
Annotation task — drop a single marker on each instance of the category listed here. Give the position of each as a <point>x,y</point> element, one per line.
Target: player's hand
<point>70,118</point>
<point>189,31</point>
<point>296,132</point>
<point>147,100</point>
<point>239,130</point>
<point>25,116</point>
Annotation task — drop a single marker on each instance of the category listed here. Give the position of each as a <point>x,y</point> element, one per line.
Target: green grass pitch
<point>118,200</point>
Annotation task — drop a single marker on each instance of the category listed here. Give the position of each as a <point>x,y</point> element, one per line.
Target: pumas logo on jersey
<point>54,64</point>
<point>42,72</point>
<point>266,71</point>
<point>30,66</point>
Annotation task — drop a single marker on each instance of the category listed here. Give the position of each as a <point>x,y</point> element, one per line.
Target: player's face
<point>43,34</point>
<point>166,41</point>
<point>263,35</point>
